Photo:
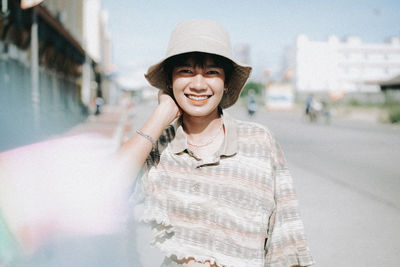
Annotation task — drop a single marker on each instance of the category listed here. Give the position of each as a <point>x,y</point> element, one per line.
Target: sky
<point>140,29</point>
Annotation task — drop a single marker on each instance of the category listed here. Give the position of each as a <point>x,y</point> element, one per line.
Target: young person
<point>218,192</point>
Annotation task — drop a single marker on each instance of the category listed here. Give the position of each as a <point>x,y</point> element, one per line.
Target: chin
<point>199,112</point>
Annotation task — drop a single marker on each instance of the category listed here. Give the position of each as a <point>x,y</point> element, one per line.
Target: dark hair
<point>199,59</point>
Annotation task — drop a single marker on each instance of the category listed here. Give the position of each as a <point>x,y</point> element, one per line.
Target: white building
<point>349,66</point>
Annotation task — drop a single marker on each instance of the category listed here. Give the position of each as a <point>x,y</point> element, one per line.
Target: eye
<point>213,72</point>
<point>184,70</point>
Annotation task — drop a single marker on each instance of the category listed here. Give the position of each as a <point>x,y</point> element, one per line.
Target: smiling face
<point>198,86</point>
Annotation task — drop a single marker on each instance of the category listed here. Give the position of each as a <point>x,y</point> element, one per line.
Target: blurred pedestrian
<point>309,101</point>
<point>99,102</point>
<point>314,108</point>
<point>251,104</point>
<point>217,190</point>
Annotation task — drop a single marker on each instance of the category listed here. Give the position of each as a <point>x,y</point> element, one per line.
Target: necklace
<point>207,142</point>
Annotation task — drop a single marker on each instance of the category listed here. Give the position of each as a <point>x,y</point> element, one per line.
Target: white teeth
<point>197,97</point>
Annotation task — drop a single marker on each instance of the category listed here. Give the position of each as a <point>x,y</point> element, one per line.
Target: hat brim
<point>157,77</point>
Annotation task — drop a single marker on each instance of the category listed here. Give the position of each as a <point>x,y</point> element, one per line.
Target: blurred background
<point>325,80</point>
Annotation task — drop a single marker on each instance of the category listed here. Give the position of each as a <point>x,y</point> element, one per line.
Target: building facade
<point>87,22</point>
<point>67,68</point>
<point>344,66</point>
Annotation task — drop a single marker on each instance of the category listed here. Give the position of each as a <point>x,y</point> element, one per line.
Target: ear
<point>226,85</point>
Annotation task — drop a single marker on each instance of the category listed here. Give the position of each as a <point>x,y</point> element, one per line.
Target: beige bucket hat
<point>205,36</point>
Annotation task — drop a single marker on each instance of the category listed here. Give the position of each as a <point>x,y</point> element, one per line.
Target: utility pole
<point>35,70</point>
<point>26,4</point>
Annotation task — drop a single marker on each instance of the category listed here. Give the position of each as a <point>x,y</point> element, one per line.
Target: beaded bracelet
<point>148,137</point>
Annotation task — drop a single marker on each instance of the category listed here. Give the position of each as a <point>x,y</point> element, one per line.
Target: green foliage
<point>257,87</point>
<point>394,113</point>
<point>354,102</point>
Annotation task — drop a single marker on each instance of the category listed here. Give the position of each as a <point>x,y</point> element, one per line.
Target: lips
<point>198,99</point>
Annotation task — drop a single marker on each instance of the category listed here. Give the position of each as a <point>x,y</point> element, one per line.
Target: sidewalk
<point>112,123</point>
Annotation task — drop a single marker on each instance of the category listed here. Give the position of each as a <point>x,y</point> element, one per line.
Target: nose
<point>198,82</point>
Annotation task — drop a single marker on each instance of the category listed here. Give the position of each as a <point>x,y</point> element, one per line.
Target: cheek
<point>178,84</point>
<point>219,86</point>
<point>176,93</point>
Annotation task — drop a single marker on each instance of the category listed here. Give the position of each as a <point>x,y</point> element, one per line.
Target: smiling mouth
<point>198,99</point>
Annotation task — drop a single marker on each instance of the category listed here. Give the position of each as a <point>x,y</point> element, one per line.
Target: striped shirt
<point>236,208</point>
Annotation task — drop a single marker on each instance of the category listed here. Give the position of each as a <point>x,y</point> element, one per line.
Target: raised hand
<point>168,107</point>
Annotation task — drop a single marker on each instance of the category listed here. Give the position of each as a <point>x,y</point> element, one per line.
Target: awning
<point>393,81</point>
<point>51,31</point>
<point>44,14</point>
<point>392,84</point>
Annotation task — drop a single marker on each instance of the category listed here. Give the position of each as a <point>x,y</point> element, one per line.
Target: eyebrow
<point>184,65</point>
<point>213,66</point>
<point>191,66</point>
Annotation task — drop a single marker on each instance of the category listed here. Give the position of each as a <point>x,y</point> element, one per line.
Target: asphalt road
<point>347,178</point>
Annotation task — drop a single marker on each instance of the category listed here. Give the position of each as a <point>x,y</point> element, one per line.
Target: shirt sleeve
<point>286,243</point>
<point>166,137</point>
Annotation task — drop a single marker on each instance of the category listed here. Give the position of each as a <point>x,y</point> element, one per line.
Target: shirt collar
<point>228,147</point>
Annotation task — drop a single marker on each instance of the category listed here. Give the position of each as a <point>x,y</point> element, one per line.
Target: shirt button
<point>196,188</point>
